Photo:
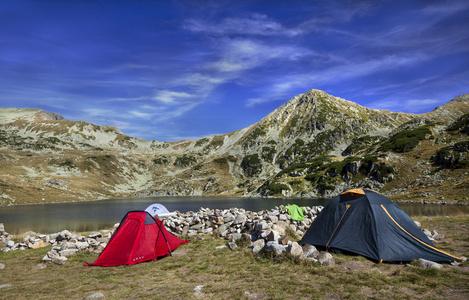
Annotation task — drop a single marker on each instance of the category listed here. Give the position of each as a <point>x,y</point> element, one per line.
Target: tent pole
<point>169,248</point>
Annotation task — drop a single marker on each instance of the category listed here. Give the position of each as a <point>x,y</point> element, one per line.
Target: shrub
<point>461,124</point>
<point>275,188</point>
<point>406,140</point>
<point>251,165</point>
<point>185,161</point>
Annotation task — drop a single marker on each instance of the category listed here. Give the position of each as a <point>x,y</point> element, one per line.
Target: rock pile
<point>263,230</point>
<point>64,243</point>
<point>233,223</point>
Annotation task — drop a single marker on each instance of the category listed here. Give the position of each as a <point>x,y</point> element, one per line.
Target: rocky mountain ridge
<point>314,145</point>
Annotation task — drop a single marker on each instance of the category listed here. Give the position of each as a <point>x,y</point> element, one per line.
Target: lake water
<point>95,215</point>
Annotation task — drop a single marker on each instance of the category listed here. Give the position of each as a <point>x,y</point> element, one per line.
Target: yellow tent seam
<point>415,237</point>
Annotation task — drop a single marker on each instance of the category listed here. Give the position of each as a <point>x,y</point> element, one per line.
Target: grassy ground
<point>241,275</point>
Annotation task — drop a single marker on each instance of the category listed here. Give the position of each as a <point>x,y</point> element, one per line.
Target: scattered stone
<point>296,250</point>
<point>326,259</point>
<point>94,296</point>
<point>275,247</point>
<point>220,247</point>
<point>258,245</point>
<point>4,286</point>
<point>38,267</point>
<point>198,291</point>
<point>236,237</point>
<point>429,264</point>
<point>232,246</point>
<point>273,236</point>
<point>284,240</point>
<point>310,251</point>
<point>2,266</point>
<point>354,265</point>
<point>68,252</point>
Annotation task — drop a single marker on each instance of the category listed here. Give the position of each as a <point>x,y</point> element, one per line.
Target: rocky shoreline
<point>266,230</point>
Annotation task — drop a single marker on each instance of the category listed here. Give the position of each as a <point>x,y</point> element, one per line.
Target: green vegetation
<point>455,157</point>
<point>225,159</point>
<point>216,143</point>
<point>201,142</point>
<point>359,144</point>
<point>185,161</point>
<point>268,153</point>
<point>275,189</point>
<point>251,165</point>
<point>68,164</point>
<point>406,140</point>
<point>52,140</point>
<point>163,160</point>
<point>257,132</point>
<point>462,125</point>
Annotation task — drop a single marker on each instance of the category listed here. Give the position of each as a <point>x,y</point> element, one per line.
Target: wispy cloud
<point>255,24</point>
<point>401,104</point>
<point>170,97</point>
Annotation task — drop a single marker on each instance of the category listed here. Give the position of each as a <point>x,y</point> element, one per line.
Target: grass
<point>240,274</point>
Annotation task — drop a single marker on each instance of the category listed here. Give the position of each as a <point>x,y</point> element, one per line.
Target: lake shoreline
<point>253,197</point>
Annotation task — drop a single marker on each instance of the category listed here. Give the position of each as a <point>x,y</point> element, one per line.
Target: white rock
<point>429,264</point>
<point>326,258</point>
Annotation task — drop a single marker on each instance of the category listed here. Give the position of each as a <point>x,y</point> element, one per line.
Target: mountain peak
<point>11,114</point>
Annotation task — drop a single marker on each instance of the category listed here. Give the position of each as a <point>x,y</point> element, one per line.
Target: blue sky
<point>171,70</point>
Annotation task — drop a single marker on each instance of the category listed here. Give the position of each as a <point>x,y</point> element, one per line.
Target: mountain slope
<point>315,145</point>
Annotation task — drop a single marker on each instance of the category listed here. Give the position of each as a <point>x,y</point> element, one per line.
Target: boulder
<point>68,252</point>
<point>284,240</point>
<point>280,227</point>
<point>326,259</point>
<point>59,259</point>
<point>232,246</point>
<point>310,251</point>
<point>240,219</point>
<point>275,247</point>
<point>94,296</point>
<point>258,246</point>
<point>236,237</point>
<point>273,236</point>
<point>429,264</point>
<point>296,250</point>
<point>37,244</point>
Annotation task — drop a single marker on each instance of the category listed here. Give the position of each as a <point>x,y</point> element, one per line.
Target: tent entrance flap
<point>347,206</point>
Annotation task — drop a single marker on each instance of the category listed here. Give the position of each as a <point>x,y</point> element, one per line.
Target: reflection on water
<point>95,215</point>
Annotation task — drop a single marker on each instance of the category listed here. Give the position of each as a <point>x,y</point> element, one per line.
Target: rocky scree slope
<point>315,145</point>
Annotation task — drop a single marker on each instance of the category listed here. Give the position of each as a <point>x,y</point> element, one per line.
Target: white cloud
<point>417,106</point>
<point>170,97</point>
<point>243,54</point>
<point>256,24</point>
<point>142,115</point>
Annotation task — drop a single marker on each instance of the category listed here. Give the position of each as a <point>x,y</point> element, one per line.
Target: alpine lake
<point>101,214</point>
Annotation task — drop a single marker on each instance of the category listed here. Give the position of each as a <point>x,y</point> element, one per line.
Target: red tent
<point>139,238</point>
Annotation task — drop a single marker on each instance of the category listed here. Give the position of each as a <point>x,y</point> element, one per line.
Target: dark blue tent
<point>367,223</point>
